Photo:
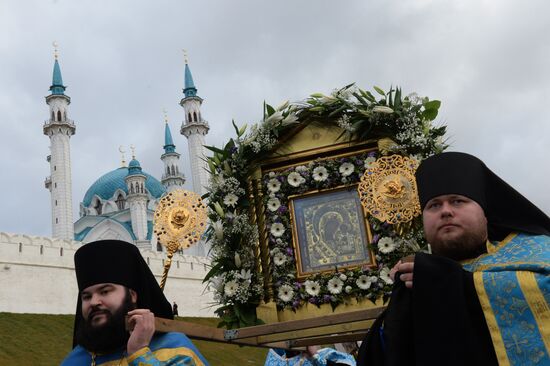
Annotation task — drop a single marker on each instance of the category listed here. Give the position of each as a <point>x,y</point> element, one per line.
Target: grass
<point>45,340</point>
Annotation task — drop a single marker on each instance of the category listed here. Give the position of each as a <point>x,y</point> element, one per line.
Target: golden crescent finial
<point>185,56</point>
<point>122,151</point>
<point>55,45</point>
<point>165,113</point>
<point>133,148</point>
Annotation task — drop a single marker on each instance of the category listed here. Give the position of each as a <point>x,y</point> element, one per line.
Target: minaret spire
<point>194,127</point>
<point>60,129</point>
<point>171,178</point>
<point>137,200</point>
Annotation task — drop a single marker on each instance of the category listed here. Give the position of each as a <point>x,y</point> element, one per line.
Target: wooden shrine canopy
<point>295,334</point>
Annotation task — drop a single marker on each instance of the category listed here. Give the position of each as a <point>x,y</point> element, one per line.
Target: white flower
<point>290,119</point>
<point>286,293</point>
<point>230,200</point>
<point>363,282</point>
<point>335,285</point>
<point>369,161</point>
<point>343,277</point>
<point>382,109</point>
<point>295,179</point>
<point>245,274</point>
<point>385,275</point>
<point>277,229</point>
<point>231,288</point>
<point>346,169</point>
<point>348,289</point>
<point>273,204</point>
<point>217,284</point>
<point>273,185</point>
<point>279,259</point>
<point>373,279</point>
<point>312,287</point>
<point>218,229</point>
<point>274,118</point>
<point>301,168</point>
<point>386,245</point>
<point>237,260</point>
<point>320,174</point>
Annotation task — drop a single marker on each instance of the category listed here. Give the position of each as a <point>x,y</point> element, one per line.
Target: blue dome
<point>134,164</point>
<point>106,186</point>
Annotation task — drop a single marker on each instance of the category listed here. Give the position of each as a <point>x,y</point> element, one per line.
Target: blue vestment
<point>165,349</point>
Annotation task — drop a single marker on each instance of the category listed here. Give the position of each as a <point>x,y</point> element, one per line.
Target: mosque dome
<point>106,186</point>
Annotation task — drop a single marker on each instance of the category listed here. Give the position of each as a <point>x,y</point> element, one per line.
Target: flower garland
<point>401,125</point>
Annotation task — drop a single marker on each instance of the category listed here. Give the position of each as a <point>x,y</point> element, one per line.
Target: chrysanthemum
<point>312,288</point>
<point>335,285</point>
<point>385,276</point>
<point>386,245</point>
<point>230,288</point>
<point>277,229</point>
<point>368,161</point>
<point>273,185</point>
<point>230,199</point>
<point>295,179</point>
<point>273,204</point>
<point>346,169</point>
<point>279,259</point>
<point>286,293</point>
<point>363,282</point>
<point>320,174</point>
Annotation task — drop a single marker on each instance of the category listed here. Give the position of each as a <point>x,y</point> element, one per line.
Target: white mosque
<point>37,273</point>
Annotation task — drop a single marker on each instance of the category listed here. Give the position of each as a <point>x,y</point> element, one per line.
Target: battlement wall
<point>37,276</point>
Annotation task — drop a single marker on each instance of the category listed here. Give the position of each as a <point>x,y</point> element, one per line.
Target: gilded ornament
<point>180,221</point>
<point>388,189</point>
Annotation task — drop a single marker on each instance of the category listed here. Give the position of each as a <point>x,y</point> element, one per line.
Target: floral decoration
<point>401,125</point>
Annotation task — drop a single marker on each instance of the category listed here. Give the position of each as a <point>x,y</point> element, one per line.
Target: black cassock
<point>438,322</point>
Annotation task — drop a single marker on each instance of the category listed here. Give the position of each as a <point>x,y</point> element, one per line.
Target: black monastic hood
<point>505,208</point>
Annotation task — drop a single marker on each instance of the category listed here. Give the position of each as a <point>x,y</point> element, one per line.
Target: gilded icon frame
<point>313,243</point>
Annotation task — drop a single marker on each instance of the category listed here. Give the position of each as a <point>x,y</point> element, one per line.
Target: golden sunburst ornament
<point>180,221</point>
<point>388,189</point>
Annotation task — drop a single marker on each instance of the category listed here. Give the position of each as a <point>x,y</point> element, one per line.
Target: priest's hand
<point>141,324</point>
<point>405,267</point>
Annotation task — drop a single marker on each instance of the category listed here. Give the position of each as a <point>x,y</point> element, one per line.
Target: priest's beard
<point>467,246</point>
<point>111,335</point>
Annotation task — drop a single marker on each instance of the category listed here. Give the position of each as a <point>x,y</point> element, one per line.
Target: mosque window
<point>61,252</point>
<point>56,202</point>
<point>97,207</point>
<point>55,185</point>
<point>41,249</point>
<point>56,220</point>
<point>53,116</point>
<point>120,202</point>
<point>178,264</point>
<point>189,117</point>
<point>191,265</point>
<point>195,116</point>
<point>159,247</point>
<point>20,247</point>
<point>54,168</point>
<point>173,170</point>
<point>59,115</point>
<point>65,115</point>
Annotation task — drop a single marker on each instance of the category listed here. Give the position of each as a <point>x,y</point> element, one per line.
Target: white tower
<point>171,178</point>
<point>60,129</point>
<point>194,128</point>
<point>137,201</point>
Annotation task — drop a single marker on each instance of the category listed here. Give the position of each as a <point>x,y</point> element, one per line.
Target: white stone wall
<point>37,276</point>
<point>198,165</point>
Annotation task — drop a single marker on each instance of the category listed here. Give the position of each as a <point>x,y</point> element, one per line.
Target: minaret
<point>171,178</point>
<point>60,129</point>
<point>137,200</point>
<point>194,127</point>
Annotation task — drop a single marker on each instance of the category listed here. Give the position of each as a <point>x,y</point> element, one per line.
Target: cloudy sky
<point>487,61</point>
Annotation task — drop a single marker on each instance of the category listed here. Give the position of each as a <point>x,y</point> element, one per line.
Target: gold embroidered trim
<point>491,320</point>
<point>537,304</point>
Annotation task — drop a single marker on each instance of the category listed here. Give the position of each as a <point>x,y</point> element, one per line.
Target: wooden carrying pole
<point>295,334</point>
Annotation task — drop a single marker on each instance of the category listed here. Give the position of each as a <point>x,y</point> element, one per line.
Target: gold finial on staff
<point>122,151</point>
<point>179,222</point>
<point>165,113</point>
<point>55,45</point>
<point>185,56</point>
<point>133,148</point>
